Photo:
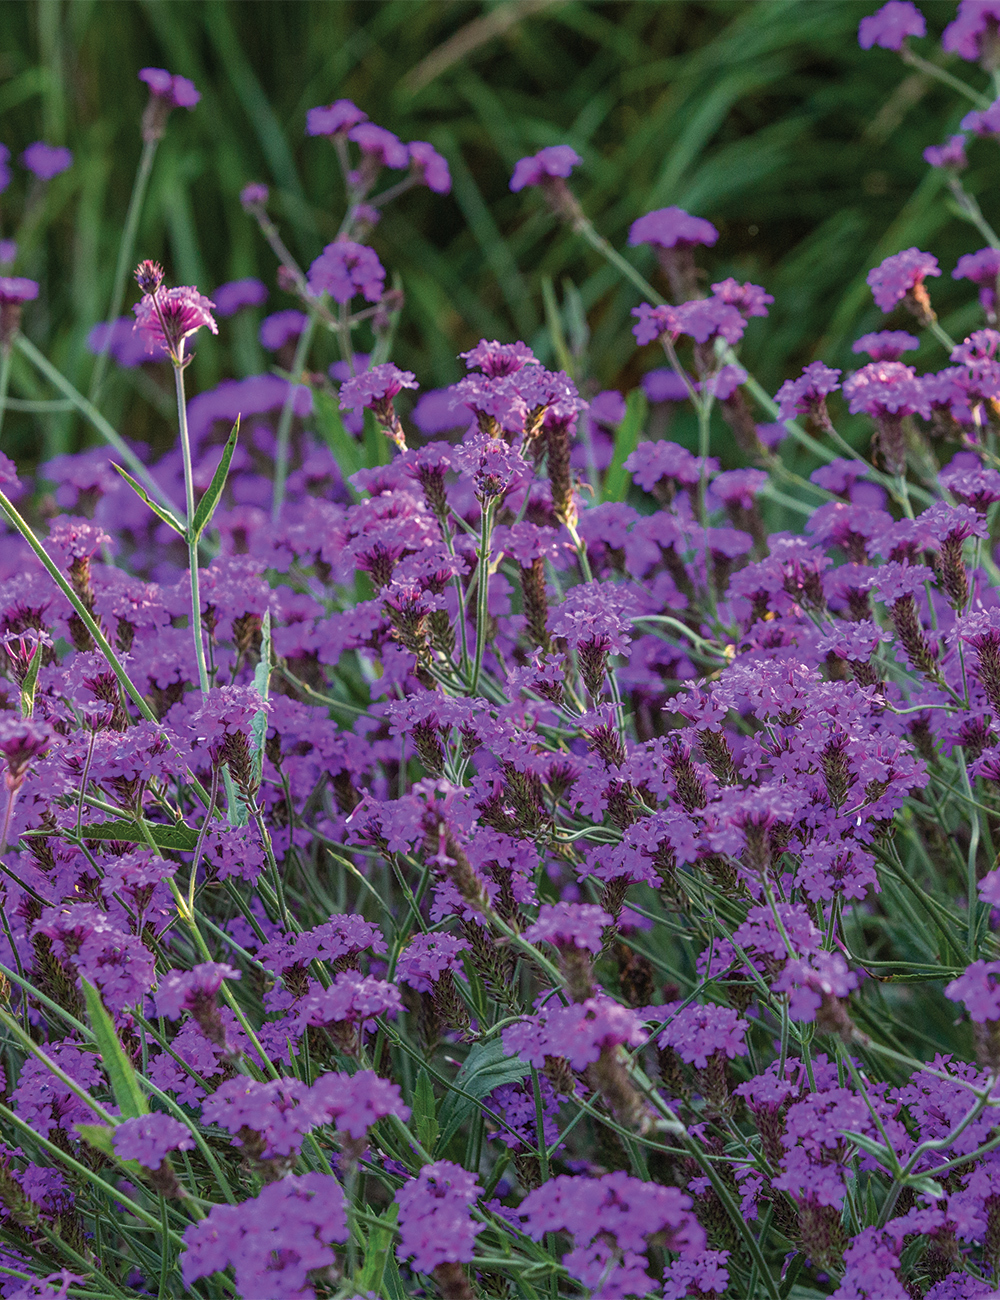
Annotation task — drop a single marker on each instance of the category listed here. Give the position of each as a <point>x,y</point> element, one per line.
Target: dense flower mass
<point>493,859</point>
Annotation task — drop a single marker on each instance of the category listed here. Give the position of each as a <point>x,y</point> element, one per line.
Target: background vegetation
<point>761,115</point>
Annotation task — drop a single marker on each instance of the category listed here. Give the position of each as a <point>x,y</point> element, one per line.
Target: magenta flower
<point>254,195</point>
<point>891,25</point>
<point>886,386</point>
<point>985,122</point>
<point>150,1138</point>
<point>899,275</point>
<point>698,1032</point>
<point>181,991</point>
<point>280,328</point>
<point>344,269</point>
<point>808,393</point>
<point>380,145</point>
<point>579,1032</point>
<point>169,317</point>
<point>748,299</point>
<point>335,119</point>
<point>22,740</point>
<point>701,319</point>
<point>557,160</point>
<point>435,1226</point>
<point>672,228</point>
<point>981,268</point>
<point>16,289</point>
<point>430,166</point>
<point>46,160</point>
<point>498,359</point>
<point>353,1103</point>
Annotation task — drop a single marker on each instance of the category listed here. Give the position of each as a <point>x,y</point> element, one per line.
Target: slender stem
<point>971,210</point>
<point>482,595</point>
<point>285,420</point>
<point>939,74</point>
<point>583,226</point>
<point>125,254</point>
<point>91,412</point>
<point>5,356</point>
<point>192,541</point>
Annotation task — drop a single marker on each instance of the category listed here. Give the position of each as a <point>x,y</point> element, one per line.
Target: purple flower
<point>22,740</point>
<point>672,228</point>
<point>375,386</point>
<point>254,195</point>
<point>886,386</point>
<point>498,359</point>
<point>345,268</point>
<point>435,1226</point>
<point>891,25</point>
<point>280,328</point>
<point>981,268</point>
<point>171,316</point>
<point>886,345</point>
<point>967,35</point>
<point>664,385</point>
<point>703,1274</point>
<point>950,155</point>
<point>174,91</point>
<point>976,486</point>
<point>570,925</point>
<point>234,294</point>
<point>9,481</point>
<point>380,145</point>
<point>700,319</point>
<point>350,998</point>
<point>807,393</point>
<point>653,461</point>
<point>493,466</point>
<point>46,160</point>
<point>556,160</point>
<point>150,1138</point>
<point>430,166</point>
<point>16,289</point>
<point>120,339</point>
<point>749,299</point>
<point>181,991</point>
<point>579,1032</point>
<point>738,487</point>
<point>979,989</point>
<point>698,1032</point>
<point>335,119</point>
<point>353,1103</point>
<point>275,1110</point>
<point>8,251</point>
<point>811,981</point>
<point>272,1242</point>
<point>899,275</point>
<point>427,957</point>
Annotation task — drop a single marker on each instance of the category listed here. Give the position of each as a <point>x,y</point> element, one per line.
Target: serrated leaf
<point>30,682</point>
<point>164,837</point>
<point>376,1253</point>
<point>425,1111</point>
<point>616,480</point>
<point>157,510</point>
<point>486,1067</point>
<point>206,506</point>
<point>121,1075</point>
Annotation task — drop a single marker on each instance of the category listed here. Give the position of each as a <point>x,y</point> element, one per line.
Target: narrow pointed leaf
<point>124,1081</point>
<point>164,837</point>
<point>29,683</point>
<point>206,506</point>
<point>616,483</point>
<point>157,510</point>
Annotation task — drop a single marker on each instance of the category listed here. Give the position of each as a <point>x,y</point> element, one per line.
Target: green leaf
<point>206,506</point>
<point>164,837</point>
<point>376,1253</point>
<point>425,1111</point>
<point>486,1067</point>
<point>30,682</point>
<point>616,481</point>
<point>261,680</point>
<point>98,1136</point>
<point>124,1081</point>
<point>347,451</point>
<point>158,510</point>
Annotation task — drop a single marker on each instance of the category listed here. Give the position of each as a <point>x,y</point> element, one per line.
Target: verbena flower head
<point>169,317</point>
<point>174,90</point>
<point>698,1032</point>
<point>375,386</point>
<point>899,275</point>
<point>150,1138</point>
<point>22,740</point>
<point>979,989</point>
<point>344,269</point>
<point>435,1226</point>
<point>335,119</point>
<point>232,296</point>
<point>700,319</point>
<point>46,160</point>
<point>807,393</point>
<point>886,345</point>
<point>427,957</point>
<point>555,160</point>
<point>886,386</point>
<point>672,228</point>
<point>973,33</point>
<point>430,166</point>
<point>280,328</point>
<point>16,289</point>
<point>891,25</point>
<point>181,991</point>
<point>254,195</point>
<point>570,925</point>
<point>497,359</point>
<point>950,155</point>
<point>379,145</point>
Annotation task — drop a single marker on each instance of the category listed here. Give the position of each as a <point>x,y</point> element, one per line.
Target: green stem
<point>582,226</point>
<point>285,420</point>
<point>86,408</point>
<point>192,541</point>
<point>482,595</point>
<point>939,74</point>
<point>125,255</point>
<point>5,356</point>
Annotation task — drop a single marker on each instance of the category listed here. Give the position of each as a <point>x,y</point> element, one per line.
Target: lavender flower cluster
<point>464,875</point>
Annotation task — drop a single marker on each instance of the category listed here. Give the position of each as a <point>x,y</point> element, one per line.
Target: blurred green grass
<point>762,115</point>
